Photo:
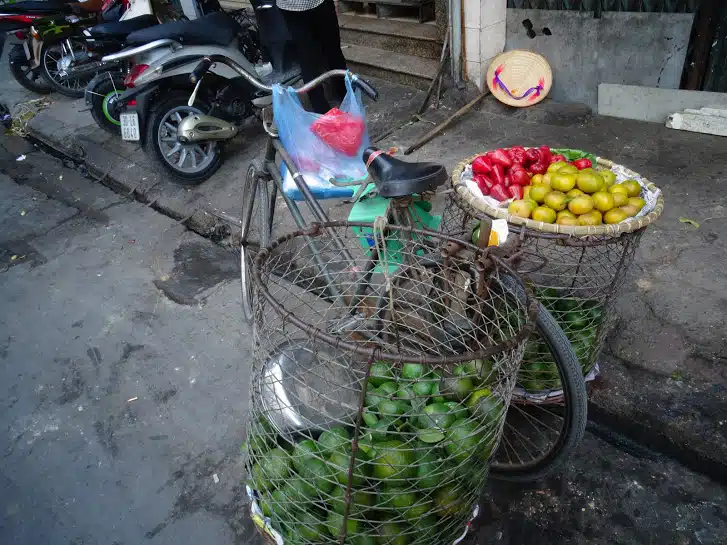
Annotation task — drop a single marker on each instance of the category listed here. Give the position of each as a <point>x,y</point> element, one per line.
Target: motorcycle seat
<point>396,178</point>
<point>37,7</point>
<point>213,29</point>
<point>121,29</point>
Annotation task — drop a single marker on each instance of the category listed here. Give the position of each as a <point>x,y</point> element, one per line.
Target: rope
<point>380,225</point>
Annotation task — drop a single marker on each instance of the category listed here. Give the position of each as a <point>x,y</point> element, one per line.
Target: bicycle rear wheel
<point>541,434</point>
<point>255,229</point>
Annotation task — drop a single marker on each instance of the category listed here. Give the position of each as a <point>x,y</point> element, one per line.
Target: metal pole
<point>455,24</point>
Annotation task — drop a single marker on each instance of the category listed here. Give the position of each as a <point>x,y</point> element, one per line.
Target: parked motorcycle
<point>157,99</point>
<point>21,18</point>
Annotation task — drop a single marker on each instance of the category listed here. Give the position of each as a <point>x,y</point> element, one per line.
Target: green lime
<point>271,466</point>
<point>436,398</point>
<point>265,507</point>
<point>379,430</point>
<point>488,410</point>
<point>392,533</point>
<point>427,529</point>
<point>412,371</point>
<point>422,389</point>
<point>430,435</point>
<point>380,372</point>
<point>298,490</point>
<point>428,475</point>
<point>360,500</point>
<point>459,410</point>
<point>449,501</point>
<point>393,460</point>
<point>391,408</point>
<point>577,320</point>
<point>374,397</point>
<point>463,440</point>
<point>339,464</point>
<point>309,526</point>
<point>303,451</point>
<point>438,416</point>
<point>388,388</point>
<point>480,371</point>
<point>334,523</point>
<point>457,388</point>
<point>336,438</point>
<point>406,394</point>
<point>418,510</point>
<point>369,418</point>
<point>460,371</point>
<point>316,471</point>
<point>567,304</point>
<point>363,539</point>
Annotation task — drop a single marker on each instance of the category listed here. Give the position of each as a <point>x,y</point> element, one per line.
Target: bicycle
<point>400,192</point>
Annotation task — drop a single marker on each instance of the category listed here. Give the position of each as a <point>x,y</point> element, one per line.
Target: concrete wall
<point>621,47</point>
<point>483,36</point>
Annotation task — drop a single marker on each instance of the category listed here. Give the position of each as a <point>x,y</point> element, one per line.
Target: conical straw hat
<point>519,78</point>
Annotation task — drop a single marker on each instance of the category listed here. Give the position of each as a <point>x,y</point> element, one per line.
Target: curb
<point>215,225</point>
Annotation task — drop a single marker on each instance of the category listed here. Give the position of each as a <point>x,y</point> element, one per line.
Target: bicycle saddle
<point>397,178</point>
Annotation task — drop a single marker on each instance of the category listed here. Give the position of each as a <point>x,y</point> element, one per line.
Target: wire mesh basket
<point>575,271</point>
<point>384,362</point>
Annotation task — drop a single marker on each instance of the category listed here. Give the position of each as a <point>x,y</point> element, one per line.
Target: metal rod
<point>442,64</point>
<point>439,128</point>
<point>141,49</point>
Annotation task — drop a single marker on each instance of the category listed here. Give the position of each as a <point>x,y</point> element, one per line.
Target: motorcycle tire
<point>205,158</point>
<point>20,68</point>
<point>75,88</point>
<point>99,93</point>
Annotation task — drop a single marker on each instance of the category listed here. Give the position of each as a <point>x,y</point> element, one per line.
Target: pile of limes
<point>579,318</point>
<point>421,458</point>
<point>568,196</point>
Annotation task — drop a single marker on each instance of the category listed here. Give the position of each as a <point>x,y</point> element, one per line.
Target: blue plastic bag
<point>315,159</point>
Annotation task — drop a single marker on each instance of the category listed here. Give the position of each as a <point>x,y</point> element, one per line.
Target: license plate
<point>130,126</point>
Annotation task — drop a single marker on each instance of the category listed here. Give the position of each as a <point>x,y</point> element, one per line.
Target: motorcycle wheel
<point>190,164</point>
<point>20,68</point>
<point>101,98</point>
<point>55,60</point>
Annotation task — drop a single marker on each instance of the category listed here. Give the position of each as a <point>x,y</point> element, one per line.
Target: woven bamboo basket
<point>575,271</point>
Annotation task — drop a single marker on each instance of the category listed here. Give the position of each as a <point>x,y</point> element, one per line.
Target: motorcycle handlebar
<point>362,84</point>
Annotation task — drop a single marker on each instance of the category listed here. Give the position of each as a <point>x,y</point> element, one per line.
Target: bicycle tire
<point>575,405</point>
<point>261,198</point>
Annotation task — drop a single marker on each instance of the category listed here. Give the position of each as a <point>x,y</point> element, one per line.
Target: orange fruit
<point>603,201</point>
<point>544,214</point>
<point>582,204</point>
<point>555,200</point>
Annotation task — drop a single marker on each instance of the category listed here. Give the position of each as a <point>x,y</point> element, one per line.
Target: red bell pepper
<point>518,154</point>
<point>497,174</point>
<point>533,156</point>
<point>582,163</point>
<point>519,176</point>
<point>516,191</point>
<point>538,168</point>
<point>481,165</point>
<point>499,192</point>
<point>545,154</point>
<point>555,158</point>
<point>500,157</point>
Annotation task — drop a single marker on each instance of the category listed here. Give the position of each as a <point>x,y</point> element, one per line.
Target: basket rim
<point>628,226</point>
<point>530,305</point>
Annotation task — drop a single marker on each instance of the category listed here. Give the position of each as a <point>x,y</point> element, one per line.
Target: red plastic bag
<point>340,130</point>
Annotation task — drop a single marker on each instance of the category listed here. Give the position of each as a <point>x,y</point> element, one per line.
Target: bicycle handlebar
<point>207,62</point>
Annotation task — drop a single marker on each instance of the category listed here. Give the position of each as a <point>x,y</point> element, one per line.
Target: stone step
<point>397,67</point>
<point>418,39</point>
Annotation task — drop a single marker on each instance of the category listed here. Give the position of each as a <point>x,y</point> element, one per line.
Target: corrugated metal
<point>667,6</point>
